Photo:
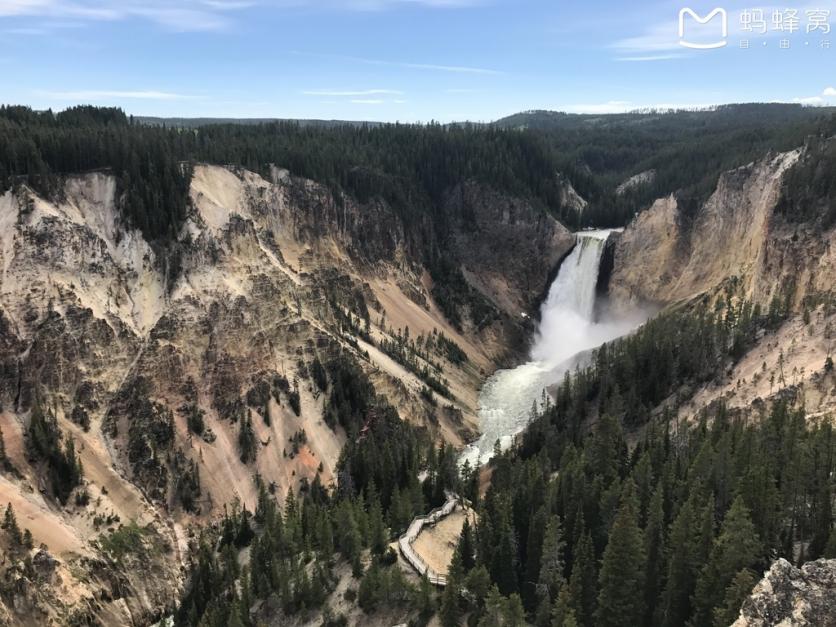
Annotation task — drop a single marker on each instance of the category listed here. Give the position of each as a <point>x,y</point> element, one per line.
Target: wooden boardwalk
<point>406,540</point>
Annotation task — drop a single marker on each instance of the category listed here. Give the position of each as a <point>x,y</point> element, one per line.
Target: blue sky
<point>408,60</point>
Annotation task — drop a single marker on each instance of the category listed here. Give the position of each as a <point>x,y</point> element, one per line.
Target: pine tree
<point>822,487</point>
<point>11,527</point>
<point>686,554</point>
<point>737,591</point>
<point>830,548</point>
<point>551,577</point>
<point>504,564</point>
<point>514,614</point>
<point>4,459</point>
<point>736,547</point>
<point>450,612</point>
<point>583,584</point>
<point>377,527</point>
<point>621,596</point>
<point>425,598</point>
<point>478,584</point>
<point>325,534</point>
<point>368,594</point>
<point>247,441</point>
<point>466,546</point>
<point>502,611</point>
<point>350,538</point>
<point>396,521</point>
<point>654,546</point>
<point>563,614</point>
<point>245,602</point>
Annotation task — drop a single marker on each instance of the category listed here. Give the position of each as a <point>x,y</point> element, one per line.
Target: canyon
<point>124,342</point>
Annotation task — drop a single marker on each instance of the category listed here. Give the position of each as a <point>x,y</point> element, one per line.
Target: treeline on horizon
<point>411,167</point>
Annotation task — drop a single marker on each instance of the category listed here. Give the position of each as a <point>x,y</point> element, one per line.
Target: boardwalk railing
<point>406,540</point>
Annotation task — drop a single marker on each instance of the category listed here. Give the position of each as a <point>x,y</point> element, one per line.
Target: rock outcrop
<point>637,180</point>
<point>792,597</point>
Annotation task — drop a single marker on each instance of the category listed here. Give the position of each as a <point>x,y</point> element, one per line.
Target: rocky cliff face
<point>793,597</point>
<point>127,344</point>
<point>738,246</point>
<point>505,249</point>
<point>665,256</point>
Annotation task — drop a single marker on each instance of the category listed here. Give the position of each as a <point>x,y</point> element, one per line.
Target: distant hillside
<point>685,150</point>
<point>724,116</point>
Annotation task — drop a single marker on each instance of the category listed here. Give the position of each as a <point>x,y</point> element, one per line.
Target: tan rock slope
<point>664,255</point>
<point>123,342</point>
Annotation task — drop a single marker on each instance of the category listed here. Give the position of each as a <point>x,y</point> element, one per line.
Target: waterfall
<point>566,323</point>
<point>574,287</point>
<point>567,330</point>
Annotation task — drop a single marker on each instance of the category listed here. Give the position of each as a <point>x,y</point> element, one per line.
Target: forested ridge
<point>411,167</point>
<point>687,150</point>
<point>809,189</point>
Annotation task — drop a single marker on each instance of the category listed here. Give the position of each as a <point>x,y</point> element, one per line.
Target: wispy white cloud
<point>455,69</point>
<point>106,95</point>
<point>380,5</point>
<point>195,15</point>
<point>827,97</point>
<point>811,100</point>
<point>178,15</point>
<point>22,7</point>
<point>26,32</point>
<point>358,96</point>
<point>651,57</point>
<point>655,40</point>
<point>228,5</point>
<point>347,94</point>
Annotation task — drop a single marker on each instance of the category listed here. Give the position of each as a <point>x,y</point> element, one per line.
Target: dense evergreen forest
<point>675,528</point>
<point>409,166</point>
<point>412,167</point>
<point>809,189</point>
